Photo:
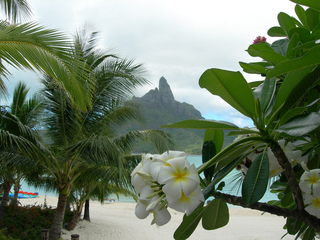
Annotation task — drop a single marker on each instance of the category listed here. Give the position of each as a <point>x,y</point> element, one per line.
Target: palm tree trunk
<point>16,189</point>
<point>6,186</point>
<point>76,217</point>
<point>86,215</point>
<point>6,190</point>
<point>56,227</point>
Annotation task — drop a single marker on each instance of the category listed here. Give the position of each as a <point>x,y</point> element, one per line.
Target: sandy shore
<point>116,221</point>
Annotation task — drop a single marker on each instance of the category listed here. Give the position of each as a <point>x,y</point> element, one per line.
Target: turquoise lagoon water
<point>232,186</point>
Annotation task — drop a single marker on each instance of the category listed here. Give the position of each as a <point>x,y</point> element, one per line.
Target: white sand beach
<point>116,221</point>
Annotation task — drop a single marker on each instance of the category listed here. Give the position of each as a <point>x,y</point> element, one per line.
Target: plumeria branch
<point>275,210</point>
<point>290,175</point>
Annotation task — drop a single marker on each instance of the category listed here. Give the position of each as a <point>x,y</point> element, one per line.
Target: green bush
<point>26,223</point>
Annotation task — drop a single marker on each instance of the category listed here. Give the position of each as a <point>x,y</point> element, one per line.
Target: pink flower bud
<point>259,39</point>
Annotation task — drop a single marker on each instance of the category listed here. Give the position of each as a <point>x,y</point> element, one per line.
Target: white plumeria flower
<point>310,181</point>
<point>178,176</point>
<point>161,216</point>
<point>161,160</point>
<point>140,210</point>
<point>274,166</point>
<point>186,203</point>
<point>162,180</point>
<point>313,203</point>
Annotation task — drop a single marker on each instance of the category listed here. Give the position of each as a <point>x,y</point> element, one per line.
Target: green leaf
<point>256,67</point>
<point>232,87</point>
<point>256,181</point>
<point>293,50</point>
<point>266,52</point>
<point>280,46</point>
<point>216,215</point>
<point>301,13</point>
<point>208,152</point>
<point>291,81</point>
<point>293,225</point>
<point>312,18</point>
<point>217,136</point>
<point>309,234</point>
<point>202,124</point>
<point>266,93</point>
<point>276,32</point>
<point>286,22</point>
<point>254,84</point>
<point>189,224</point>
<point>242,132</point>
<point>301,125</point>
<point>310,59</point>
<point>309,3</point>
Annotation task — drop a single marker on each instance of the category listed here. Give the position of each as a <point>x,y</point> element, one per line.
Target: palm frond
<point>15,10</point>
<point>26,110</point>
<point>33,47</point>
<point>62,118</point>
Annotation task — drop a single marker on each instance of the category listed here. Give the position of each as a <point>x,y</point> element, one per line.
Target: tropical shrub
<point>26,223</point>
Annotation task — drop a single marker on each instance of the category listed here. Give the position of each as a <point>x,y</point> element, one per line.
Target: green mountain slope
<point>158,107</point>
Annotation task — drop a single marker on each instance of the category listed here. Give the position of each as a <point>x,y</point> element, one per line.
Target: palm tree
<point>32,46</point>
<point>28,112</point>
<point>81,139</point>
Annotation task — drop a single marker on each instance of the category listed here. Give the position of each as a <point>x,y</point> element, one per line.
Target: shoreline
<point>114,221</point>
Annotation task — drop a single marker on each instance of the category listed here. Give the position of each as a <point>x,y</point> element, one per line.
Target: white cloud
<point>178,39</point>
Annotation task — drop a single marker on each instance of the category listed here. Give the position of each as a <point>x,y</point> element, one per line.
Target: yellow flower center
<point>180,175</point>
<point>184,198</point>
<point>316,202</point>
<point>313,179</point>
<point>167,164</point>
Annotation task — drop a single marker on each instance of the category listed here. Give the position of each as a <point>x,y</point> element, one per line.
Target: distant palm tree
<point>24,113</point>
<point>86,140</point>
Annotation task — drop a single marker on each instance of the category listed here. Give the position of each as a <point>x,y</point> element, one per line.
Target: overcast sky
<point>177,39</point>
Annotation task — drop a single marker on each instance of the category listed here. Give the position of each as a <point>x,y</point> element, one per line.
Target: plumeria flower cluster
<point>165,180</point>
<point>294,156</point>
<point>310,187</point>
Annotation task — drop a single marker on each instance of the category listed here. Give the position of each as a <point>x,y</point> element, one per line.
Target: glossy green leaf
<point>286,22</point>
<point>293,225</point>
<point>312,18</point>
<point>215,135</point>
<point>254,84</point>
<point>256,68</point>
<point>208,152</point>
<point>266,93</point>
<point>310,59</point>
<point>216,215</point>
<point>302,125</point>
<point>242,132</point>
<point>202,124</point>
<point>280,46</point>
<point>291,81</point>
<point>234,153</point>
<point>230,86</point>
<point>293,50</point>
<point>301,13</point>
<point>189,224</point>
<point>276,32</point>
<point>309,3</point>
<point>256,181</point>
<point>309,234</point>
<point>266,52</point>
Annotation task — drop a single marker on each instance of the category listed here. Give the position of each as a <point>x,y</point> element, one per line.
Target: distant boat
<point>22,194</point>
